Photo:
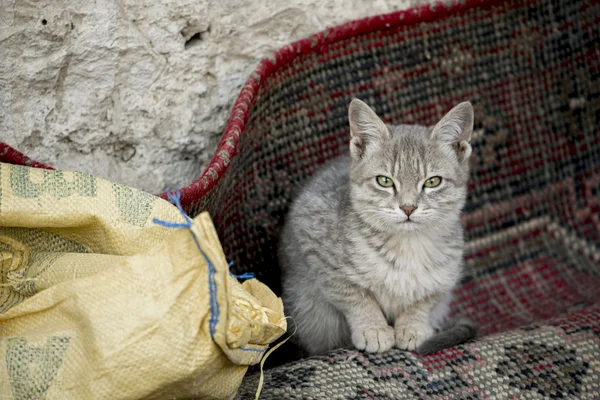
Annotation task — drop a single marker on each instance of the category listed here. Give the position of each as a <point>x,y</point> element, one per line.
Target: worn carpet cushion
<point>532,221</point>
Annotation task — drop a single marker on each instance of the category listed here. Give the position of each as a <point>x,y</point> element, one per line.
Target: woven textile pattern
<point>532,220</point>
<point>531,70</point>
<point>556,360</point>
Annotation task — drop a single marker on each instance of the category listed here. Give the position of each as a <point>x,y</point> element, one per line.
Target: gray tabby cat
<point>375,239</point>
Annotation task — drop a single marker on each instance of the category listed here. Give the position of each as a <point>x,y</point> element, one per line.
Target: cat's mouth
<point>408,225</point>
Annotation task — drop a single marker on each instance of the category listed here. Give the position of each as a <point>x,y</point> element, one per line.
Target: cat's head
<point>409,177</point>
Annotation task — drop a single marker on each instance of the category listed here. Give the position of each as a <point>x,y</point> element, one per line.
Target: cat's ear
<point>456,129</point>
<point>366,129</point>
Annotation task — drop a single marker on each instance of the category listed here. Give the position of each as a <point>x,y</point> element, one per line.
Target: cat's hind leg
<point>320,327</point>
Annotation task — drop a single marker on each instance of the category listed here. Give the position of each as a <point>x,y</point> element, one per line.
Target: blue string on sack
<point>175,199</point>
<point>246,275</point>
<point>212,286</point>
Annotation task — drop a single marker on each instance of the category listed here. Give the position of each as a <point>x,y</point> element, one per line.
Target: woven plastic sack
<point>99,301</point>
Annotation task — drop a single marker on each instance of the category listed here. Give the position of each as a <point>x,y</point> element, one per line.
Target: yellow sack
<point>99,302</point>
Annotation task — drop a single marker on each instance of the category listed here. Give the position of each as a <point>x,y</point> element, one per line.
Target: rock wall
<point>138,91</point>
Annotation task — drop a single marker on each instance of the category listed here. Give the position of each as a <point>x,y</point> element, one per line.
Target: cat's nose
<point>408,210</point>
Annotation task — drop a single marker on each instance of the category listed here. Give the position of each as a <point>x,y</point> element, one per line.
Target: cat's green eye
<point>433,182</point>
<point>385,181</point>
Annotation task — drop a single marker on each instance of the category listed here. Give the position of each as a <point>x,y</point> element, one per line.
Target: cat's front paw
<point>374,340</point>
<point>409,337</point>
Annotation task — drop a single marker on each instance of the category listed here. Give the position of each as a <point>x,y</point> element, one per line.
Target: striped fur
<point>356,269</point>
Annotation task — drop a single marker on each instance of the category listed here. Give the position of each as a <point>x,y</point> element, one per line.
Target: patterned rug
<point>556,360</point>
<point>532,221</point>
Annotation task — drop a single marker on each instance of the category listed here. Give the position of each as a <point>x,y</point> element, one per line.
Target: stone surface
<point>138,91</point>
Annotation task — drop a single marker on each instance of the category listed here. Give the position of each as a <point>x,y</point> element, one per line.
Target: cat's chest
<point>403,270</point>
